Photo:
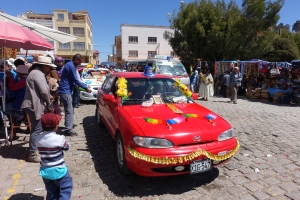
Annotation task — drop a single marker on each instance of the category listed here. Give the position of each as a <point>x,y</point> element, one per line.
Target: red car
<point>158,128</point>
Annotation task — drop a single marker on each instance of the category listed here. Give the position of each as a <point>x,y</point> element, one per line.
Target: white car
<point>93,78</point>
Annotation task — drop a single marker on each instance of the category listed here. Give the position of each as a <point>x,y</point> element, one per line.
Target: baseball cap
<point>50,120</point>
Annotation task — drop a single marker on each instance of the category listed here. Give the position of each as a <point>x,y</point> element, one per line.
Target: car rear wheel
<point>120,153</point>
<point>99,119</point>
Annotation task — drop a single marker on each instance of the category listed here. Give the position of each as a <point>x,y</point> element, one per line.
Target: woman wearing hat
<point>53,75</point>
<point>19,89</point>
<point>37,100</point>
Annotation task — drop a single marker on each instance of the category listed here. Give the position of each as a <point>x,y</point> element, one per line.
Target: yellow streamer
<point>183,159</point>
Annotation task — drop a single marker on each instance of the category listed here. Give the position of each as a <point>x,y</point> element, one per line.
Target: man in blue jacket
<point>68,80</point>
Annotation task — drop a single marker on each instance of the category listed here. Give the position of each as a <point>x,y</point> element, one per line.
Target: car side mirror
<point>109,98</point>
<point>194,96</point>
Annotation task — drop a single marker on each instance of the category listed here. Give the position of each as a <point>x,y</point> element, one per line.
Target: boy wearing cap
<point>53,170</point>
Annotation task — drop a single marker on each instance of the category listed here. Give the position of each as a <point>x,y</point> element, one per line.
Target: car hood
<point>189,131</point>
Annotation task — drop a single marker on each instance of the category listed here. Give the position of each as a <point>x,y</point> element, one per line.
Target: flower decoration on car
<point>122,87</point>
<point>183,88</point>
<point>183,159</point>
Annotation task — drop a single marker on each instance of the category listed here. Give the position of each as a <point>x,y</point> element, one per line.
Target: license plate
<point>199,166</point>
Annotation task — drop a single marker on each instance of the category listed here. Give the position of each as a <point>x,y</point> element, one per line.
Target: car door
<point>112,109</point>
<point>106,88</point>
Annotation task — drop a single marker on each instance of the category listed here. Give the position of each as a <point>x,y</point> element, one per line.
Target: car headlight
<point>225,135</point>
<point>152,142</point>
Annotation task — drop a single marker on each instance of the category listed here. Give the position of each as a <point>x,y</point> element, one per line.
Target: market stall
<point>21,38</point>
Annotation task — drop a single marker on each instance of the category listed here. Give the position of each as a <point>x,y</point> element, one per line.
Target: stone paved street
<point>269,135</point>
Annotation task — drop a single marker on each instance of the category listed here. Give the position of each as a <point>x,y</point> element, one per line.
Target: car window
<point>107,85</point>
<point>142,89</point>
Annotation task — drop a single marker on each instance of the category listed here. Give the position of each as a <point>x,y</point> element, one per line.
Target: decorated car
<point>94,78</point>
<point>158,128</point>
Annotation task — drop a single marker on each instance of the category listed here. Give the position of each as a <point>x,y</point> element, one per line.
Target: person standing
<point>37,100</point>
<point>194,81</point>
<point>76,92</point>
<point>53,169</point>
<point>208,86</point>
<point>224,83</point>
<point>67,81</point>
<point>235,80</point>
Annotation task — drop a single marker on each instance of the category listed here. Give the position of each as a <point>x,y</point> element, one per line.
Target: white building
<point>142,41</point>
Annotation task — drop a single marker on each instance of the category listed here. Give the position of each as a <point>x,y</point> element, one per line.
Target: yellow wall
<point>83,38</point>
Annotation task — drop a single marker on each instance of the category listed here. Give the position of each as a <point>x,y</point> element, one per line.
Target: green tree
<point>296,26</point>
<point>285,49</point>
<point>201,28</point>
<point>217,31</point>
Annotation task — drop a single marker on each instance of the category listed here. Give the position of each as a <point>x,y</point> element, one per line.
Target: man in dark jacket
<point>224,83</point>
<point>68,80</point>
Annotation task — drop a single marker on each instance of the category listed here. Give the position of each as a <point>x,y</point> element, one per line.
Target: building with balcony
<point>142,41</point>
<point>76,23</point>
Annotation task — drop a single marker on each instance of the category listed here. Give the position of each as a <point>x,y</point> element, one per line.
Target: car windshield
<point>94,74</point>
<point>175,70</point>
<point>142,89</point>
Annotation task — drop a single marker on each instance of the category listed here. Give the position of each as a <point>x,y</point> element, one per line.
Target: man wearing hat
<point>67,83</point>
<point>53,169</point>
<point>37,100</point>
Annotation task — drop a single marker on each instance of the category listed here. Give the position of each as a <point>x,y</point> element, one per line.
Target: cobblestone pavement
<point>270,142</point>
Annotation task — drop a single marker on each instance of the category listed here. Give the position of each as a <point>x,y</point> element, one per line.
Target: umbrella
<point>14,36</point>
<point>48,33</point>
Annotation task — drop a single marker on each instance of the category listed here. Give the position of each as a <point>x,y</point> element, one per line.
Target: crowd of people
<point>202,82</point>
<point>40,87</point>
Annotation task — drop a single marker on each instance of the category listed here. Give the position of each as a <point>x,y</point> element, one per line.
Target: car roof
<point>138,75</point>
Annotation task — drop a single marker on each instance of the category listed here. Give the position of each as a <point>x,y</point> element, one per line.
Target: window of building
<point>64,29</point>
<point>173,54</point>
<point>152,53</point>
<point>133,54</point>
<point>152,39</point>
<point>89,46</point>
<point>60,16</point>
<point>65,45</point>
<point>79,45</point>
<point>89,33</point>
<point>133,39</point>
<point>78,31</point>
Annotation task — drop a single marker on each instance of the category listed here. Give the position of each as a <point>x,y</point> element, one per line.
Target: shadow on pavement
<point>101,145</point>
<point>15,151</point>
<point>23,196</point>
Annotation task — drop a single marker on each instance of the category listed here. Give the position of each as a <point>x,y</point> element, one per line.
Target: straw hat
<point>22,69</point>
<point>45,60</point>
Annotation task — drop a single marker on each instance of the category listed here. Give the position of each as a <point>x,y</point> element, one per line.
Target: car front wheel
<point>120,153</point>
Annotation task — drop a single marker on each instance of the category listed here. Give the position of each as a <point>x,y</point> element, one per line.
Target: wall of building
<point>75,20</point>
<point>143,46</point>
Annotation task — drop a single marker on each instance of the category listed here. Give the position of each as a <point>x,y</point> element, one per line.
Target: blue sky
<point>108,15</point>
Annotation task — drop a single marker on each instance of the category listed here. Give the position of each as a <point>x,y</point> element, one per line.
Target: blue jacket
<point>68,79</point>
<point>194,79</point>
<point>235,79</point>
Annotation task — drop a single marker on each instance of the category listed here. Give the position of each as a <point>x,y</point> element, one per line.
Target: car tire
<point>99,119</point>
<point>120,156</point>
